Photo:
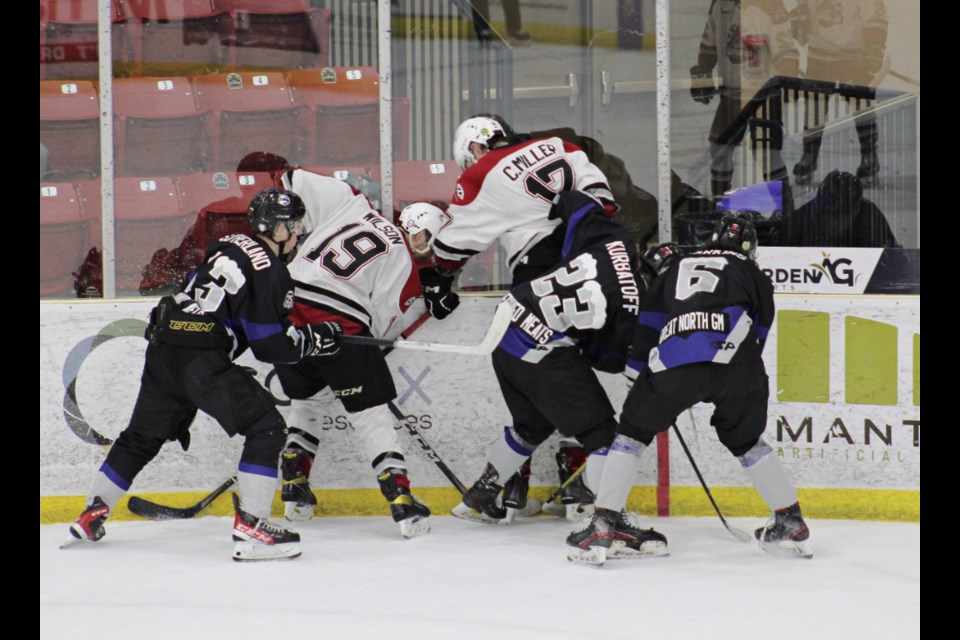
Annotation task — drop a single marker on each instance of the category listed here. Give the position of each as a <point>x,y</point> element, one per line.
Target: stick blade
<point>153,511</point>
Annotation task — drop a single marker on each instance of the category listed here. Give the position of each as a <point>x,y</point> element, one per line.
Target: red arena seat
<point>186,34</point>
<point>280,34</point>
<point>159,128</point>
<point>252,111</point>
<point>341,116</point>
<point>70,128</point>
<point>64,237</point>
<point>148,217</point>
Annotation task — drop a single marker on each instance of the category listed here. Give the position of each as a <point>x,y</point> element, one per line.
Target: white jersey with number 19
<point>354,267</point>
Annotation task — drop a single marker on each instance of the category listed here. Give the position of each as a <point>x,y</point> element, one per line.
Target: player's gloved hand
<point>321,339</point>
<point>440,300</point>
<point>699,77</point>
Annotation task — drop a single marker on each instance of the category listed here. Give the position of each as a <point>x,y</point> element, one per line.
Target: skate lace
<point>584,524</point>
<point>270,528</point>
<point>632,519</point>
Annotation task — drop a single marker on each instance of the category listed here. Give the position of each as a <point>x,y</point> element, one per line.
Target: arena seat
<point>422,181</point>
<point>185,35</point>
<point>218,202</point>
<point>148,217</point>
<point>68,39</point>
<point>280,34</point>
<point>70,128</point>
<point>251,111</point>
<point>159,128</point>
<point>341,116</point>
<point>64,237</point>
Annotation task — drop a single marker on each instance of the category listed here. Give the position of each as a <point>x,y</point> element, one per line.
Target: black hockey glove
<point>321,339</point>
<point>698,77</point>
<point>441,301</point>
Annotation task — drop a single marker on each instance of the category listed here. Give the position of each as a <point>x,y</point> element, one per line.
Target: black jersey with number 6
<point>711,306</point>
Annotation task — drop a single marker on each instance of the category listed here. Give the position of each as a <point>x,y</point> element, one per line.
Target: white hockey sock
<point>376,428</point>
<point>305,420</point>
<point>619,472</point>
<point>594,471</point>
<point>106,488</point>
<point>257,486</point>
<point>765,471</point>
<point>509,453</point>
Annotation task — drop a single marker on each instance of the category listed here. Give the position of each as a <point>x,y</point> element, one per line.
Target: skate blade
<point>620,551</point>
<point>788,549</point>
<point>464,512</point>
<point>532,508</point>
<point>297,513</point>
<point>413,527</point>
<point>592,556</point>
<point>572,512</point>
<point>69,542</point>
<point>245,551</point>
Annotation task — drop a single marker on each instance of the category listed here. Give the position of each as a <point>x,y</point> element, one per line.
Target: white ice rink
<point>359,580</point>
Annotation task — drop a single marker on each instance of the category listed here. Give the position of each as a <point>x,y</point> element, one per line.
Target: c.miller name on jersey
<point>530,156</point>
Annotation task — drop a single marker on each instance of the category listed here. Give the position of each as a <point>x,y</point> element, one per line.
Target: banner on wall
<point>840,270</point>
<point>844,405</point>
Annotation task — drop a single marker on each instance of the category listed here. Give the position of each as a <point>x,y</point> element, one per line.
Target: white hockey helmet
<point>478,129</point>
<point>421,221</point>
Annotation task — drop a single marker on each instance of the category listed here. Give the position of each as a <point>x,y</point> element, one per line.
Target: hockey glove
<point>321,339</point>
<point>440,300</point>
<point>699,77</point>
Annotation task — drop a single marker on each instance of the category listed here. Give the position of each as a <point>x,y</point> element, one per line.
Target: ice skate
<point>298,498</point>
<point>590,543</point>
<point>786,533</point>
<point>89,526</point>
<point>515,495</point>
<point>632,542</point>
<point>576,500</point>
<point>483,501</point>
<point>408,511</point>
<point>260,539</point>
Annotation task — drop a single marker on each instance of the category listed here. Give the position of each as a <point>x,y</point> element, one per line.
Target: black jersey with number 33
<point>249,290</point>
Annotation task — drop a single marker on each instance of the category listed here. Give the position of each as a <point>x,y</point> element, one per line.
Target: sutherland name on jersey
<point>695,321</point>
<point>531,156</point>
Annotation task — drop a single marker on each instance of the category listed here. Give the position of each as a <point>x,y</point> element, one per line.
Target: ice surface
<point>358,579</point>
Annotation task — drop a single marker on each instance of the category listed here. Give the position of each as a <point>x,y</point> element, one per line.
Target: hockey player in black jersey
<point>567,323</point>
<point>700,334</point>
<point>239,298</point>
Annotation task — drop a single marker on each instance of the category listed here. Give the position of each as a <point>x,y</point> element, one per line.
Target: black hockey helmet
<point>272,207</point>
<point>737,232</point>
<point>661,257</point>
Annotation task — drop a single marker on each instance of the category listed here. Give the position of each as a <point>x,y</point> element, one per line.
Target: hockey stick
<point>566,483</point>
<point>739,534</point>
<point>427,449</point>
<point>147,509</point>
<point>498,326</point>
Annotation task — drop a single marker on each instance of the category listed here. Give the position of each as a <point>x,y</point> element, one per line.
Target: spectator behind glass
<point>838,216</point>
<point>744,56</point>
<point>846,42</point>
<point>511,13</point>
<point>168,270</point>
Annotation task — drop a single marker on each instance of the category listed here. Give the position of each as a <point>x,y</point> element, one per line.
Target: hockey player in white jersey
<point>506,193</point>
<point>353,267</point>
